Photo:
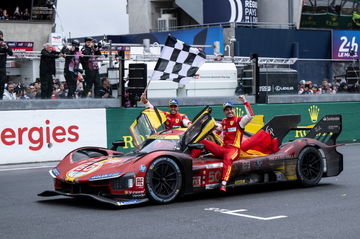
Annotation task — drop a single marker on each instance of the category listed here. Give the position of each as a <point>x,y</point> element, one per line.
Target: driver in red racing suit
<point>232,128</point>
<point>174,119</point>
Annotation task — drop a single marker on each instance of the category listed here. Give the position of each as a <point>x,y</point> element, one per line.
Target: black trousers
<point>70,78</point>
<point>92,77</point>
<point>3,80</point>
<point>46,81</point>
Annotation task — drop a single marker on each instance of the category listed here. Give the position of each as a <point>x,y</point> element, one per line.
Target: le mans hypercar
<point>160,168</point>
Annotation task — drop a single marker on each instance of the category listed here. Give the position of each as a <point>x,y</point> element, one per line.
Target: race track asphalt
<point>329,210</point>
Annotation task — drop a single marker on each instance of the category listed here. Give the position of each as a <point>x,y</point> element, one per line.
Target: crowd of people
<point>18,14</point>
<point>60,90</point>
<point>336,87</point>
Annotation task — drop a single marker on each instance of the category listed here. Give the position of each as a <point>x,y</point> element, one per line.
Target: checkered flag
<point>178,61</point>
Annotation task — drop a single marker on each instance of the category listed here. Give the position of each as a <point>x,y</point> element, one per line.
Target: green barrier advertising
<point>119,119</point>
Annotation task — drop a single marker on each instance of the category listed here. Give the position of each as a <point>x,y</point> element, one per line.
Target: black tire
<point>309,167</point>
<point>163,180</point>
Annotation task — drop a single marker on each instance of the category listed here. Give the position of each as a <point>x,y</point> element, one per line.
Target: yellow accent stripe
<point>237,139</point>
<point>234,156</point>
<point>227,175</point>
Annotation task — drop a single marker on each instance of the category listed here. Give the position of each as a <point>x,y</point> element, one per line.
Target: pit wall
<point>48,135</point>
<point>119,119</point>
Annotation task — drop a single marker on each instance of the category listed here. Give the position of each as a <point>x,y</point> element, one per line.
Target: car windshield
<point>150,145</point>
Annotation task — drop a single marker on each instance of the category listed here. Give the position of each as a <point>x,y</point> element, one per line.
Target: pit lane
<point>329,210</point>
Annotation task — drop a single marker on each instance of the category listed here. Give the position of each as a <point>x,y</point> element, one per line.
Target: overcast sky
<point>92,17</point>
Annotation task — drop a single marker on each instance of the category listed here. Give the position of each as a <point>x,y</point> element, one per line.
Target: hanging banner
<point>244,11</point>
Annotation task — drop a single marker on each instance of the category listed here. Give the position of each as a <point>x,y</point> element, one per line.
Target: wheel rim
<point>164,179</point>
<point>310,166</point>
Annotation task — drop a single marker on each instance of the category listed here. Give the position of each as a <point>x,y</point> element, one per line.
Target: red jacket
<point>176,121</point>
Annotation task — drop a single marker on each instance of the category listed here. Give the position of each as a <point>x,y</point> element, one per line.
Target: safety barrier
<point>48,135</point>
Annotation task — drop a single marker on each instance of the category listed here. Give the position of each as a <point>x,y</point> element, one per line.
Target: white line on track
<point>26,168</point>
<point>236,213</point>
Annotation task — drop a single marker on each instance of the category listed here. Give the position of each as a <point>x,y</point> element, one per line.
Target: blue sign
<point>216,11</point>
<point>345,44</point>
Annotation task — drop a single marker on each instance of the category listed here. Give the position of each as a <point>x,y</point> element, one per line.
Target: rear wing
<point>327,129</point>
<point>279,126</point>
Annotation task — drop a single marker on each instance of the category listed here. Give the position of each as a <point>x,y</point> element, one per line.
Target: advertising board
<point>345,45</point>
<point>230,11</point>
<point>48,135</point>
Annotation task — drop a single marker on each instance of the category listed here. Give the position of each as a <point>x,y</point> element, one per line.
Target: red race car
<point>160,169</point>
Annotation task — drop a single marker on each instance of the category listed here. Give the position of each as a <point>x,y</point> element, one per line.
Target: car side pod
<point>114,202</point>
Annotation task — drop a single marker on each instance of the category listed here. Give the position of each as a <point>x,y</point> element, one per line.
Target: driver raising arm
<point>174,119</point>
<point>232,128</point>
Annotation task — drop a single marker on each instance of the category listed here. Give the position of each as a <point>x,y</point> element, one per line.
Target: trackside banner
<point>48,135</point>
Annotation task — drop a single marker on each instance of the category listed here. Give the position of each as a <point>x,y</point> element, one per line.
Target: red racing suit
<point>177,120</point>
<point>233,130</point>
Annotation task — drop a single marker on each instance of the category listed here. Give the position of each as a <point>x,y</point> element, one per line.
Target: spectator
<point>23,94</point>
<point>9,93</point>
<point>63,91</point>
<point>301,87</point>
<point>105,91</point>
<point>47,70</point>
<point>79,89</point>
<point>5,15</point>
<point>325,87</point>
<point>26,14</point>
<point>71,69</point>
<point>316,90</point>
<point>307,88</point>
<point>17,14</point>
<point>90,64</point>
<point>4,51</point>
<point>343,88</point>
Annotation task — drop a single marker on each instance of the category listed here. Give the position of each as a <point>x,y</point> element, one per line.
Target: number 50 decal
<point>214,176</point>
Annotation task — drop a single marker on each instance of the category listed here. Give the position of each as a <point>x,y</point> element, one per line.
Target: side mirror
<point>196,146</point>
<point>116,144</point>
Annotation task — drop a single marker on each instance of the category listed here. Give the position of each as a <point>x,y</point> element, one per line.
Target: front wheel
<point>309,167</point>
<point>163,180</point>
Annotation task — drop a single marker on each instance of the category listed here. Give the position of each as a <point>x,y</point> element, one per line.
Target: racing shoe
<point>223,186</point>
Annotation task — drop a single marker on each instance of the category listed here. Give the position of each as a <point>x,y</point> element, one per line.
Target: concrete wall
<point>27,31</point>
<point>139,16</point>
<point>273,11</point>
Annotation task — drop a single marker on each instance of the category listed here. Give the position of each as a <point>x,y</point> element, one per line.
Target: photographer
<point>4,51</point>
<point>47,70</point>
<point>90,53</point>
<point>71,69</point>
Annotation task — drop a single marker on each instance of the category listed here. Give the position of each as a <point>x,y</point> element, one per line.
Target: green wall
<point>119,119</point>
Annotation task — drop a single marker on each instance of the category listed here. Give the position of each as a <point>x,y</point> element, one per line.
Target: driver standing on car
<point>232,128</point>
<point>174,119</point>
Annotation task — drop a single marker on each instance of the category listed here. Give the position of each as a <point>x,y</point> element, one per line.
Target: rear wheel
<point>163,180</point>
<point>310,166</point>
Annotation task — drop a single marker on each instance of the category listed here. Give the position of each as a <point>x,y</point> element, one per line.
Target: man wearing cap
<point>174,119</point>
<point>90,64</point>
<point>71,68</point>
<point>232,128</point>
<point>4,51</point>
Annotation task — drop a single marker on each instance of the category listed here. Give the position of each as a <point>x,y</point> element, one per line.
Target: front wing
<point>116,201</point>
